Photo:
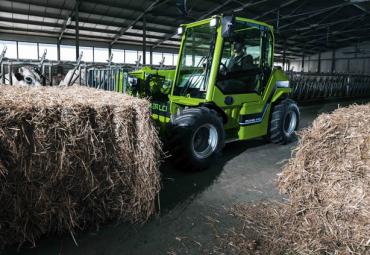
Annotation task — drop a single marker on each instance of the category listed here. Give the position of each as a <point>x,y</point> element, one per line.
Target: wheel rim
<point>204,141</point>
<point>290,123</point>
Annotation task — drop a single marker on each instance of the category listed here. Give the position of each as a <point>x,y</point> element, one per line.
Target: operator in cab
<point>238,74</point>
<point>239,60</point>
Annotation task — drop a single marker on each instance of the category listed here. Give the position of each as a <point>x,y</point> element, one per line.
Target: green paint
<point>245,104</point>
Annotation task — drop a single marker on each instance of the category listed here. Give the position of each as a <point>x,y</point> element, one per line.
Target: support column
<point>144,40</point>
<point>348,65</point>
<point>38,51</point>
<point>58,50</point>
<point>364,66</point>
<point>277,24</point>
<point>319,63</point>
<point>333,61</point>
<point>284,55</point>
<point>151,56</point>
<point>17,51</point>
<point>77,29</point>
<point>302,68</point>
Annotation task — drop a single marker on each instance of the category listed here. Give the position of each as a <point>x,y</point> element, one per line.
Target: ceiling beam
<point>276,9</point>
<point>82,29</point>
<point>243,6</point>
<point>68,20</point>
<point>123,30</point>
<point>334,33</point>
<point>217,8</point>
<point>358,6</point>
<point>71,35</point>
<point>314,27</point>
<point>93,15</point>
<point>317,13</point>
<point>52,4</point>
<point>86,21</point>
<point>246,5</point>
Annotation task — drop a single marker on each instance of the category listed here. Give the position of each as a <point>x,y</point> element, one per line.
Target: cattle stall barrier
<point>315,86</point>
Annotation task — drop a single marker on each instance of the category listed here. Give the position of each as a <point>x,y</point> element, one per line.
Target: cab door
<point>244,70</point>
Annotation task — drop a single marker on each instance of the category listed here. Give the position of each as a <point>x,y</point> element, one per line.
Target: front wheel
<point>284,122</point>
<point>196,137</point>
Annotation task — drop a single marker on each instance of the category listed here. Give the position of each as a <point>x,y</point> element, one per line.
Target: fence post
<point>50,76</point>
<point>2,74</point>
<point>10,74</point>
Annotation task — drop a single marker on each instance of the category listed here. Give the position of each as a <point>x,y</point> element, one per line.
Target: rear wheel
<point>196,136</point>
<point>284,122</point>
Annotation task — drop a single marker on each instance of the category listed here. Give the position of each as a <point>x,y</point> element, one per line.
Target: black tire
<point>284,122</point>
<point>196,136</point>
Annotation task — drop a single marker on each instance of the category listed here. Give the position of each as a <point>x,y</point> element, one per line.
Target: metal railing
<point>104,76</point>
<point>109,78</point>
<point>311,86</point>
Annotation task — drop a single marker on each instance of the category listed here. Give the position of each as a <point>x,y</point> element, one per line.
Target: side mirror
<point>228,25</point>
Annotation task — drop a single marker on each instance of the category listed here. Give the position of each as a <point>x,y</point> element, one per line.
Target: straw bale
<point>72,158</point>
<point>327,182</point>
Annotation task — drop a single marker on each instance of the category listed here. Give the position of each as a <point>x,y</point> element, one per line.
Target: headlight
<point>282,84</point>
<point>132,81</point>
<point>180,30</point>
<point>214,22</point>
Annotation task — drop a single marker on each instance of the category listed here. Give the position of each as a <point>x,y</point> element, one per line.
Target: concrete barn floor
<point>194,206</point>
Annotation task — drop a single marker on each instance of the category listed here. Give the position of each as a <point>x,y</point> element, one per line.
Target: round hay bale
<point>328,184</point>
<point>73,158</point>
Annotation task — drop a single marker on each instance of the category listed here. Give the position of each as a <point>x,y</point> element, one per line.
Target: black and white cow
<point>24,76</point>
<point>73,77</point>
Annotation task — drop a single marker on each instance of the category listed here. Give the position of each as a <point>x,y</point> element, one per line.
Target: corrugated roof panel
<point>20,16</point>
<point>6,24</point>
<point>296,19</point>
<point>51,29</point>
<point>6,4</point>
<point>137,31</point>
<point>34,8</point>
<point>54,11</point>
<point>37,18</point>
<point>35,27</point>
<point>51,20</point>
<point>17,5</point>
<point>97,26</point>
<point>6,14</point>
<point>89,25</point>
<point>89,33</point>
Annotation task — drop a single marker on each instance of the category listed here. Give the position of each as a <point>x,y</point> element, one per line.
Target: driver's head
<point>238,47</point>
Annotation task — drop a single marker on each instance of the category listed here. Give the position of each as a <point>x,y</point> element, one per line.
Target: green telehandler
<point>224,89</point>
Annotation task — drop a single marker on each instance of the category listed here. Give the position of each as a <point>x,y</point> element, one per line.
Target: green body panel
<point>253,103</point>
<point>167,74</point>
<point>160,107</point>
<point>186,101</point>
<point>121,78</point>
<point>142,73</point>
<point>248,104</point>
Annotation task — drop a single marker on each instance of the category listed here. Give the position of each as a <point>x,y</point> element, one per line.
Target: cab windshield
<point>195,62</point>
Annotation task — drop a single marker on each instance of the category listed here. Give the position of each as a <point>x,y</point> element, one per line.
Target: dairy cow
<point>24,76</point>
<point>73,77</point>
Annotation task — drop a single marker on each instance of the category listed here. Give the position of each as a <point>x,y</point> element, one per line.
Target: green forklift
<point>224,89</point>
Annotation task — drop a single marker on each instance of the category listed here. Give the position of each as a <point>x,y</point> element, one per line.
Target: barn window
<point>27,50</point>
